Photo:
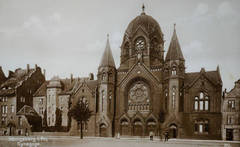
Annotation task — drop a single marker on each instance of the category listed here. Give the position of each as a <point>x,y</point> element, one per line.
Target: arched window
<point>196,103</point>
<point>104,76</point>
<point>201,102</point>
<point>201,126</point>
<point>103,97</point>
<point>174,98</point>
<point>174,71</point>
<point>166,99</point>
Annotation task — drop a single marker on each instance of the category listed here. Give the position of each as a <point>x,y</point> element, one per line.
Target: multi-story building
<point>146,93</point>
<point>231,113</point>
<point>15,92</point>
<point>56,94</point>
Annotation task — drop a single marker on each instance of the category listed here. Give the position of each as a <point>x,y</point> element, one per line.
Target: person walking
<point>151,135</point>
<point>166,136</point>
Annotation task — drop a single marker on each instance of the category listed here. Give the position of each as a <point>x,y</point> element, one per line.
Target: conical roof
<point>174,50</point>
<point>107,58</point>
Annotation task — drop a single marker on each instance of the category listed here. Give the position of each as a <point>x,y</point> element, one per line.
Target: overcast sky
<point>69,36</point>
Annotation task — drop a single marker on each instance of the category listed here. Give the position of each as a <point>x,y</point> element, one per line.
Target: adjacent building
<point>16,92</point>
<point>59,95</point>
<point>231,113</point>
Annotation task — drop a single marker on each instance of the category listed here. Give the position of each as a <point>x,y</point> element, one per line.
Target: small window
<point>196,103</point>
<point>174,72</point>
<point>201,95</point>
<point>201,105</point>
<point>41,101</point>
<point>206,105</point>
<point>200,128</point>
<point>5,109</point>
<point>12,109</point>
<point>20,121</point>
<point>22,99</point>
<point>231,104</point>
<point>3,120</point>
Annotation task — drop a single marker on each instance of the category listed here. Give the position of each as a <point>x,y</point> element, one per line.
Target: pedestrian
<point>118,135</point>
<point>166,136</point>
<point>151,135</point>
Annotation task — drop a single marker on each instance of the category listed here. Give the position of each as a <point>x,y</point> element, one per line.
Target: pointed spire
<point>143,8</point>
<point>174,50</point>
<point>107,58</point>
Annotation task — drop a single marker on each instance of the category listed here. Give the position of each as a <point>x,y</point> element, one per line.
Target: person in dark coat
<point>166,136</point>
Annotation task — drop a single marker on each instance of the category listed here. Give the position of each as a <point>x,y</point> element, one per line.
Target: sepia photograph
<point>124,73</point>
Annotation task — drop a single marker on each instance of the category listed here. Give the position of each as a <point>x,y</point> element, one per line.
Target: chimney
<point>44,72</point>
<point>71,78</point>
<point>28,68</point>
<point>91,76</point>
<point>36,66</point>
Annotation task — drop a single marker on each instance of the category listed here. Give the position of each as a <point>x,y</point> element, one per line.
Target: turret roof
<point>174,50</point>
<point>107,58</point>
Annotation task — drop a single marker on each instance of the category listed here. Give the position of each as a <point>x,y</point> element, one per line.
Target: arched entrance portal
<point>151,126</point>
<point>124,131</point>
<point>173,131</point>
<point>137,128</point>
<point>103,130</point>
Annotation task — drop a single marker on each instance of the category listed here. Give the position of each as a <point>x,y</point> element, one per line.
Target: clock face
<point>140,44</point>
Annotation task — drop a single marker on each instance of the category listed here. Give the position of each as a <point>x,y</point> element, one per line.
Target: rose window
<point>138,93</point>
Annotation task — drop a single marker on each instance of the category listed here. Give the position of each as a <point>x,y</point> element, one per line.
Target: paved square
<point>69,141</point>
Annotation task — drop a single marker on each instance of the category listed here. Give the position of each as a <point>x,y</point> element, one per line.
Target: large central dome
<point>142,42</point>
<point>146,22</point>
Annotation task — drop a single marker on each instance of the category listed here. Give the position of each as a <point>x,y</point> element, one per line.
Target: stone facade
<point>231,114</point>
<point>147,93</point>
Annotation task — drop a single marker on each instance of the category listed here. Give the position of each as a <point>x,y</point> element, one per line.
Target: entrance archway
<point>103,130</point>
<point>124,130</point>
<point>137,128</point>
<point>151,126</point>
<point>173,131</point>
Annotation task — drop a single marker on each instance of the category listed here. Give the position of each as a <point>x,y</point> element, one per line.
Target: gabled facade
<point>231,113</point>
<point>16,92</point>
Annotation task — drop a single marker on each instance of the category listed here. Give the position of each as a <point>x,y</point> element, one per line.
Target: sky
<point>67,37</point>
